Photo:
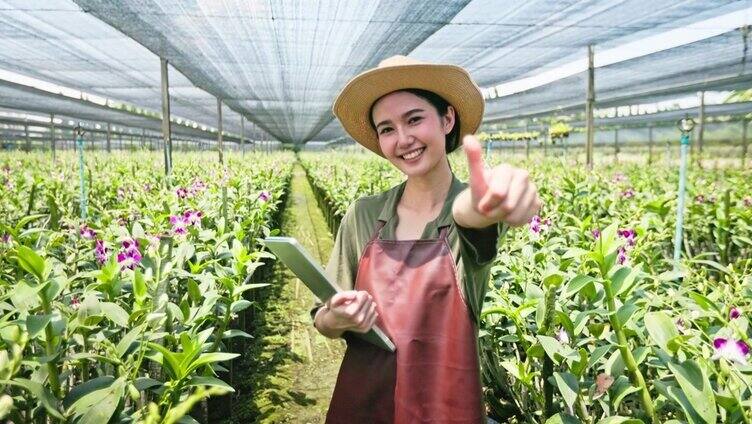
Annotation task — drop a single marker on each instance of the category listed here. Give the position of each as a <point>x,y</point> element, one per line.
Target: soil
<point>291,370</point>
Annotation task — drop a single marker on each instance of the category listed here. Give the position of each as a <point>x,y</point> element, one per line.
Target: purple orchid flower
<point>193,217</point>
<point>179,224</point>
<point>596,233</point>
<point>562,336</point>
<point>628,234</point>
<point>75,302</point>
<point>87,233</point>
<point>181,192</point>
<point>100,252</point>
<point>264,196</point>
<point>621,257</point>
<point>681,325</point>
<point>734,313</point>
<point>748,201</point>
<point>129,257</point>
<point>628,193</point>
<point>197,187</point>
<point>732,350</point>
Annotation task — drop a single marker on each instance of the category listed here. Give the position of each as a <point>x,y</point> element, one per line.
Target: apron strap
<point>443,231</point>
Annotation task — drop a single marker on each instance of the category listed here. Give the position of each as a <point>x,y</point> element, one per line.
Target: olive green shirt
<point>473,250</point>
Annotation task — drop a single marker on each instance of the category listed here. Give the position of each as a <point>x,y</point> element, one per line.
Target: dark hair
<point>441,106</point>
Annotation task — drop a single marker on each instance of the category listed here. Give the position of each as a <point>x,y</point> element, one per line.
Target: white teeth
<point>414,154</point>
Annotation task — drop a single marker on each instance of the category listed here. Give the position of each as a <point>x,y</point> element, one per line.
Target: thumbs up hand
<point>503,193</point>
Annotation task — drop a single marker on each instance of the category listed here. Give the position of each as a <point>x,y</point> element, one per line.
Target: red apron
<point>434,374</point>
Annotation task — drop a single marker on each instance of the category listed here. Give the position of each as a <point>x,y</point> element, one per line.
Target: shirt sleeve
<point>343,261</point>
<point>480,244</point>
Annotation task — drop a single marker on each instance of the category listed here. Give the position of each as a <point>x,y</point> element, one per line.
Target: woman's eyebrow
<point>404,115</point>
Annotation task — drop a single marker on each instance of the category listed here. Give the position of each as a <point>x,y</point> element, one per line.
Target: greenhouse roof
<point>281,64</point>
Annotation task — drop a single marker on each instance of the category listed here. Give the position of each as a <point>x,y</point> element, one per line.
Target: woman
<point>415,259</point>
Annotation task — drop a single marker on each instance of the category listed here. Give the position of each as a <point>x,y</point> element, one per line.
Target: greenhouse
<point>374,211</point>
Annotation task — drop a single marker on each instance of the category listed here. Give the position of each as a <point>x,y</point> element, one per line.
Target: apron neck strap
<point>443,231</point>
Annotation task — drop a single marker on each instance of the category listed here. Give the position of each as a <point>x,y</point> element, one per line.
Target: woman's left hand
<point>503,193</point>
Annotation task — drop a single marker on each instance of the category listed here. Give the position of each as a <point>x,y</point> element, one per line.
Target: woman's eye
<point>384,130</point>
<point>414,119</point>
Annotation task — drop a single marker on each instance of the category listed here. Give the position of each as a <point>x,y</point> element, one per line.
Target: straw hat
<point>453,83</point>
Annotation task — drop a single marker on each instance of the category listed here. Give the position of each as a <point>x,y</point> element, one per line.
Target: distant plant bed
<point>559,131</point>
<point>509,136</point>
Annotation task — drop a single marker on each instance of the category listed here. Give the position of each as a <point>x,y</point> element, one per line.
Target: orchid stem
<point>626,354</point>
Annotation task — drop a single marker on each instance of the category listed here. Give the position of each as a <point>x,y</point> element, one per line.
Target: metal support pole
<point>616,145</point>
<point>545,139</point>
<point>166,126</point>
<point>680,207</point>
<point>83,200</point>
<point>650,145</point>
<point>143,138</point>
<point>28,141</point>
<point>744,141</point>
<point>52,137</point>
<point>109,137</point>
<point>527,148</point>
<point>589,107</point>
<point>219,130</point>
<point>242,134</point>
<point>700,126</point>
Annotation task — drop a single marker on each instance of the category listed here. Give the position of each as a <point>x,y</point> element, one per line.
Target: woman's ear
<point>448,119</point>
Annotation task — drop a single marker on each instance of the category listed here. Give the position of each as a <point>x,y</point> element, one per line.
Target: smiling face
<point>412,134</point>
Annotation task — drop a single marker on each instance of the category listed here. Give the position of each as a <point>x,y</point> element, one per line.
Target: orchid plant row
<point>129,314</point>
<point>587,318</point>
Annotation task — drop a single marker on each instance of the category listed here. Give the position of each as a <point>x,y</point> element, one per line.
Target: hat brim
<point>454,84</point>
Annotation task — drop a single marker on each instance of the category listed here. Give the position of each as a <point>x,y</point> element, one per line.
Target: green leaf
<point>704,303</point>
<point>562,419</point>
<point>239,305</point>
<point>209,381</point>
<point>115,313</point>
<point>32,263</point>
<point>576,284</point>
<point>661,328</point>
<point>35,324</point>
<point>24,296</point>
<point>40,394</point>
<point>620,420</point>
<point>139,286</point>
<point>87,387</point>
<point>235,333</point>
<point>551,346</point>
<point>696,388</point>
<point>208,358</point>
<point>626,312</point>
<point>568,386</point>
<point>127,341</point>
<point>143,383</point>
<point>552,278</point>
<point>678,396</point>
<point>624,279</point>
<point>621,389</point>
<point>98,406</point>
<point>597,354</point>
<point>169,361</point>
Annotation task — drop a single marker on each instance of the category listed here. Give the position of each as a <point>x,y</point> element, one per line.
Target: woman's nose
<point>404,138</point>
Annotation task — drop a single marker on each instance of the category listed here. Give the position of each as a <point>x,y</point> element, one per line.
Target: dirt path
<point>295,367</point>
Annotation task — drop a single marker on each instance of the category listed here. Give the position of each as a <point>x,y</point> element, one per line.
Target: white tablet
<point>302,264</point>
